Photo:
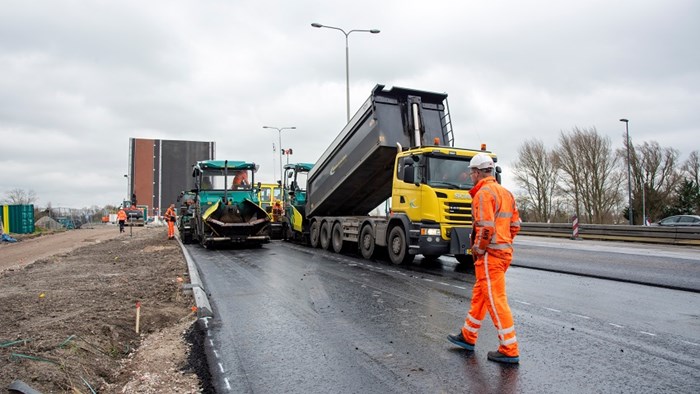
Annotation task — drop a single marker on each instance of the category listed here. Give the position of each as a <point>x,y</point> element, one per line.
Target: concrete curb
<point>195,285</point>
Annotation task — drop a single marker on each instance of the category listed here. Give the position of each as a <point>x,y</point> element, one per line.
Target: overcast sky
<point>79,78</point>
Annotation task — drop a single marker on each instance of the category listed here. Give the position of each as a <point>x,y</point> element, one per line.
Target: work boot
<point>502,358</point>
<point>459,340</point>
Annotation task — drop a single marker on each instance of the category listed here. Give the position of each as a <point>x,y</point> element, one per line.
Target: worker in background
<point>121,218</point>
<point>496,222</point>
<point>170,218</point>
<point>240,179</point>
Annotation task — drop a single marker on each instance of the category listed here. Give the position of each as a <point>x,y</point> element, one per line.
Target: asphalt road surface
<point>289,319</point>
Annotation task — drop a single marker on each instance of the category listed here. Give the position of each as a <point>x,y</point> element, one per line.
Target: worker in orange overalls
<point>240,179</point>
<point>496,222</point>
<point>121,218</point>
<point>171,217</point>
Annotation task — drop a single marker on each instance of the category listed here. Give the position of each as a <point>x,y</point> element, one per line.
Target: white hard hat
<point>481,161</point>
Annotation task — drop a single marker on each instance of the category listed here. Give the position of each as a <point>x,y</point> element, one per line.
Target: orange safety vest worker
<point>241,178</point>
<point>170,217</point>
<point>121,218</point>
<point>121,215</point>
<point>496,222</point>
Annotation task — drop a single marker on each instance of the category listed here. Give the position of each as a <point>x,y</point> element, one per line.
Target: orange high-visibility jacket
<point>496,218</point>
<point>121,215</point>
<point>170,215</point>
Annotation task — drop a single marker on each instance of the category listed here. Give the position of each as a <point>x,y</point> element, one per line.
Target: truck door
<point>406,195</point>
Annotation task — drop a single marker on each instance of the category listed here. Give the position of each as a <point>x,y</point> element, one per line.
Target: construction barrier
<point>650,234</point>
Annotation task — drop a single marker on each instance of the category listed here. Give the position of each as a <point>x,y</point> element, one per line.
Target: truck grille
<point>457,212</point>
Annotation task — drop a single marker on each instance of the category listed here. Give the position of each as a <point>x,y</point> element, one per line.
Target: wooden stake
<point>138,315</point>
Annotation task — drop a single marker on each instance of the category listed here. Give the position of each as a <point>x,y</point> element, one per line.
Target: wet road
<point>292,319</point>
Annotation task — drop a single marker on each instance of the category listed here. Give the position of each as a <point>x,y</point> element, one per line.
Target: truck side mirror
<point>498,174</point>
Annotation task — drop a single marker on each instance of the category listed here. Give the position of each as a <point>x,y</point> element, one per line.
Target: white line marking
<point>216,354</point>
<point>428,280</point>
<point>228,385</point>
<point>221,368</point>
<point>523,302</point>
<point>443,283</point>
<point>581,316</point>
<point>552,309</point>
<point>616,325</point>
<point>691,343</point>
<point>208,333</point>
<point>648,333</point>
<point>460,287</point>
<point>211,343</point>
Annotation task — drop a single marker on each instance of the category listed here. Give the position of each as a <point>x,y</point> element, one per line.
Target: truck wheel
<point>314,234</point>
<point>398,247</point>
<point>325,235</point>
<point>367,242</point>
<point>337,237</point>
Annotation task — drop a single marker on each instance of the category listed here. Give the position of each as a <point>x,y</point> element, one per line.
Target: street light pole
<point>347,58</point>
<point>279,147</point>
<point>629,172</point>
<point>128,186</point>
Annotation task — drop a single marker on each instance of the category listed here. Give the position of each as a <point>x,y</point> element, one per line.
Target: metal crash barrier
<point>689,236</point>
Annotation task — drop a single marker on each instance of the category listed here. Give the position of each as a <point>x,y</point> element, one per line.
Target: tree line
<point>584,176</point>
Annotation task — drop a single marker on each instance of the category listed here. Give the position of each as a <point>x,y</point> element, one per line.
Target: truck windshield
<point>237,180</point>
<point>448,173</point>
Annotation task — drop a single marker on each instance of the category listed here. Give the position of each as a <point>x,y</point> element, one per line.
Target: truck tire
<point>314,234</point>
<point>398,247</point>
<point>325,236</point>
<point>366,242</point>
<point>337,237</point>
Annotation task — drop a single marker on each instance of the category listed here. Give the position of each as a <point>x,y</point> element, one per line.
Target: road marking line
<point>221,368</point>
<point>443,283</point>
<point>460,287</point>
<point>648,333</point>
<point>616,325</point>
<point>228,385</point>
<point>523,302</point>
<point>691,343</point>
<point>428,280</point>
<point>551,309</point>
<point>211,343</point>
<point>581,316</point>
<point>216,354</point>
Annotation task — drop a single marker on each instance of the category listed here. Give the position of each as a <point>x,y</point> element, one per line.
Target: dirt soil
<point>68,314</point>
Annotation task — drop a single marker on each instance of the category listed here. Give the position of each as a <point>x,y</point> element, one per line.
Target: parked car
<point>680,220</point>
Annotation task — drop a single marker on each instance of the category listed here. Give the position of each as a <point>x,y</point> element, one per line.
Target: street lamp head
<point>316,25</point>
<point>624,120</point>
<point>374,31</point>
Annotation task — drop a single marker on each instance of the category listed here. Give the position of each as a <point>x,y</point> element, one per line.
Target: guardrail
<point>689,236</point>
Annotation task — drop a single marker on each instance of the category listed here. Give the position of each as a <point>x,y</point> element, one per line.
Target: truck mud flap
<point>460,242</point>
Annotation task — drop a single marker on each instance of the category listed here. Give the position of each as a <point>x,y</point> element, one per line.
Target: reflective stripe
<point>473,320</point>
<point>500,246</point>
<point>484,223</point>
<point>471,329</point>
<point>490,292</point>
<point>506,330</point>
<point>504,215</point>
<point>478,251</point>
<point>509,341</point>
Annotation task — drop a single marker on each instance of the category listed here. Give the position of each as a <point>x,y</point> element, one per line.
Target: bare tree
<point>590,174</point>
<point>691,167</point>
<point>20,197</point>
<point>655,175</point>
<point>536,172</point>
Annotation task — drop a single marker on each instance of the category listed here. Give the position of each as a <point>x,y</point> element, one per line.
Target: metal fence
<point>650,234</point>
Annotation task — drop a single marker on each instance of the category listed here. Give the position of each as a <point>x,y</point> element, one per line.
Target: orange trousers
<point>171,229</point>
<point>489,294</point>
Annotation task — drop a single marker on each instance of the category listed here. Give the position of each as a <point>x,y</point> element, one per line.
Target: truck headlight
<point>430,231</point>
